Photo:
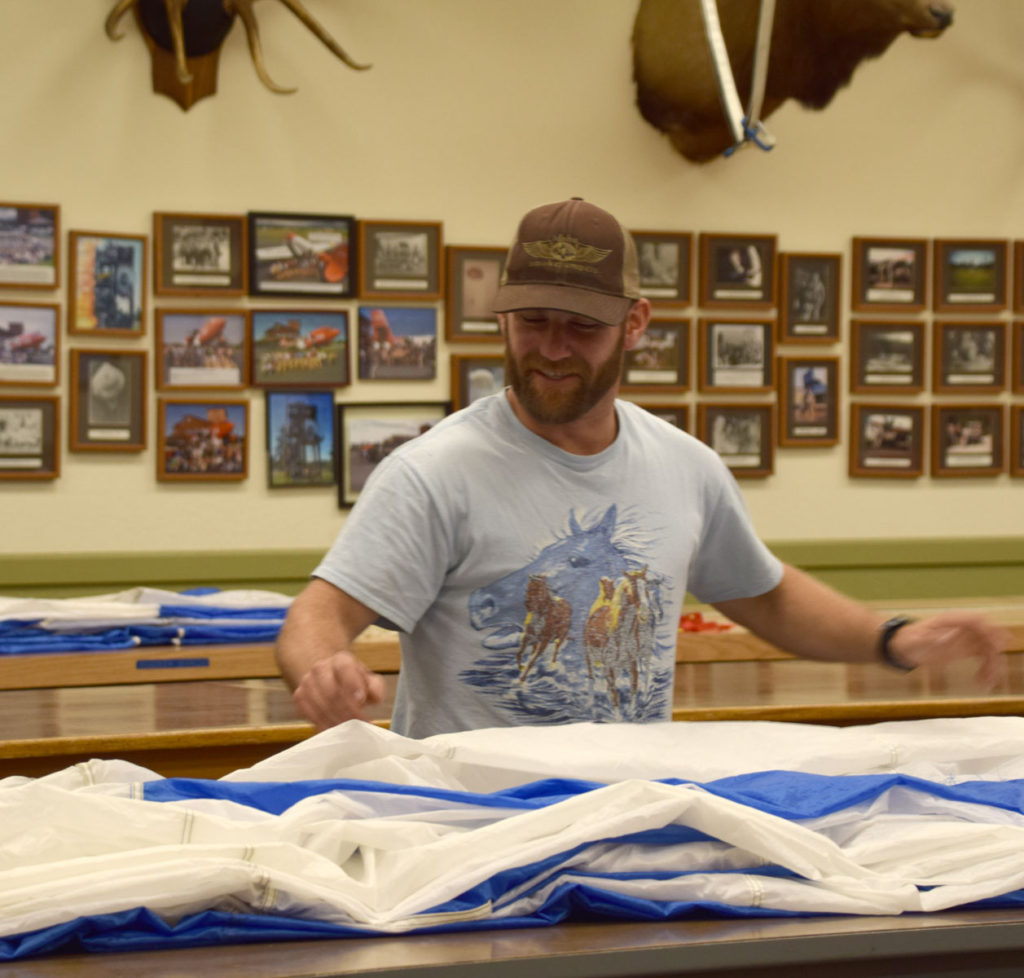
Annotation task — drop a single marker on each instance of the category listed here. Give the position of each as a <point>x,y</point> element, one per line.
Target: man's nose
<point>554,342</point>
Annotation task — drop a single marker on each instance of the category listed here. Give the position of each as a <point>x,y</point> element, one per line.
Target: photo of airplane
<point>28,344</point>
<point>300,255</point>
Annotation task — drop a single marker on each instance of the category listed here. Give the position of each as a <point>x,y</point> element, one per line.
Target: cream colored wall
<point>474,111</point>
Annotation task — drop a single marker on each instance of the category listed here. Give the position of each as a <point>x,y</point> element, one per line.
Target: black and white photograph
<point>29,344</point>
<point>661,359</point>
<point>742,434</point>
<point>29,246</point>
<point>736,355</point>
<point>29,438</point>
<point>665,261</point>
<point>300,438</point>
<point>886,441</point>
<point>967,440</point>
<point>970,275</point>
<point>108,401</point>
<point>400,259</point>
<point>969,357</point>
<point>199,254</point>
<point>886,357</point>
<point>301,254</point>
<point>737,271</point>
<point>809,297</point>
<point>889,274</point>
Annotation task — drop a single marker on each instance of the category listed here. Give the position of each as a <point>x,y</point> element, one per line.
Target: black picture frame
<point>311,255</point>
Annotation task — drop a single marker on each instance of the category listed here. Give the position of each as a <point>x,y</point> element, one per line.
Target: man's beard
<point>562,405</point>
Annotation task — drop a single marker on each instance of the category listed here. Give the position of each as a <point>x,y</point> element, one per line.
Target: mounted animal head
<point>816,45</point>
<point>184,39</point>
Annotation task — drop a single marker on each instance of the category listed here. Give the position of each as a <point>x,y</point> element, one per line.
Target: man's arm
<point>807,618</point>
<point>330,684</point>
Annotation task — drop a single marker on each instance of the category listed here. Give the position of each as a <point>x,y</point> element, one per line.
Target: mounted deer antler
<point>184,39</point>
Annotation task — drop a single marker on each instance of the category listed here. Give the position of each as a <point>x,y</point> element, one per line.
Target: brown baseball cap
<point>571,256</point>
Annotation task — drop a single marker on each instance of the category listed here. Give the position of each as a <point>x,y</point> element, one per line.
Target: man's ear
<point>636,322</point>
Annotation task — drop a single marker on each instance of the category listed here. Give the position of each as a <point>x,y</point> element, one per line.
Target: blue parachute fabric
<point>217,611</point>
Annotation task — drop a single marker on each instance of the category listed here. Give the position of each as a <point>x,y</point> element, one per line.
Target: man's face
<point>559,364</point>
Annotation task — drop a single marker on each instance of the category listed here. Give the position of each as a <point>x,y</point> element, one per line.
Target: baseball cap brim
<point>608,309</point>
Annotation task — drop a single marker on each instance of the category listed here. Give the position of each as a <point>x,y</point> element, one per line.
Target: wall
<point>472,113</point>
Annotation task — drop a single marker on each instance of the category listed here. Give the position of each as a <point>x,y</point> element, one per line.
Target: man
<point>535,548</point>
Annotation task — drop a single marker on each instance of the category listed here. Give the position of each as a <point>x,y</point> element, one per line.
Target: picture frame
<point>202,440</point>
<point>1017,373</point>
<point>299,347</point>
<point>1017,440</point>
<point>199,254</point>
<point>970,274</point>
<point>107,288</point>
<point>677,415</point>
<point>887,356</point>
<point>1018,276</point>
<point>665,260</point>
<point>368,433</point>
<point>661,359</point>
<point>809,287</point>
<point>400,260</point>
<point>736,355</point>
<point>887,441</point>
<point>473,275</point>
<point>889,274</point>
<point>29,437</point>
<point>809,401</point>
<point>741,434</point>
<point>108,401</point>
<point>202,349</point>
<point>29,245</point>
<point>300,438</point>
<point>29,344</point>
<point>397,343</point>
<point>967,440</point>
<point>474,376</point>
<point>969,357</point>
<point>737,270</point>
<point>310,255</point>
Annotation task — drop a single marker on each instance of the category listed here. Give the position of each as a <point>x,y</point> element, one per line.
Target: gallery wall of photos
<point>920,350</point>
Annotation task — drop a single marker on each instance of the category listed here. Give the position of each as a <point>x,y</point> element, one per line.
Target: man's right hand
<point>337,689</point>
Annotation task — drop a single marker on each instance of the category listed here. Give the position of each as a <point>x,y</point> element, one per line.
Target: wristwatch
<point>890,628</point>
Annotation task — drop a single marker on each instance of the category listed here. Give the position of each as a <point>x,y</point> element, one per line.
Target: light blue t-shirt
<point>531,585</point>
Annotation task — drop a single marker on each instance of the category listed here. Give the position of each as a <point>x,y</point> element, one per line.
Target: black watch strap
<point>890,628</point>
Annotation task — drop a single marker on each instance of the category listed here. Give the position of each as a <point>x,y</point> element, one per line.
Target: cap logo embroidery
<point>564,248</point>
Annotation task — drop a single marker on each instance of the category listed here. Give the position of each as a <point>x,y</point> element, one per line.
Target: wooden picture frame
<point>808,401</point>
<point>737,270</point>
<point>1017,440</point>
<point>970,274</point>
<point>969,357</point>
<point>298,347</point>
<point>473,275</point>
<point>367,433</point>
<point>199,254</point>
<point>108,401</point>
<point>29,246</point>
<point>1018,276</point>
<point>397,343</point>
<point>809,287</point>
<point>736,355</point>
<point>474,376</point>
<point>886,441</point>
<point>400,260</point>
<point>968,440</point>
<point>660,362</point>
<point>887,356</point>
<point>300,438</point>
<point>1017,346</point>
<point>107,288</point>
<point>889,274</point>
<point>29,344</point>
<point>29,437</point>
<point>202,349</point>
<point>202,440</point>
<point>665,260</point>
<point>311,255</point>
<point>677,415</point>
<point>743,435</point>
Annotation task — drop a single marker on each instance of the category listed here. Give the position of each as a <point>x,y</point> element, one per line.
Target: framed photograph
<point>970,275</point>
<point>300,439</point>
<point>301,255</point>
<point>475,376</point>
<point>368,433</point>
<point>666,266</point>
<point>809,286</point>
<point>202,440</point>
<point>742,434</point>
<point>886,441</point>
<point>675,414</point>
<point>661,360</point>
<point>299,348</point>
<point>29,429</point>
<point>29,344</point>
<point>889,274</point>
<point>1017,374</point>
<point>202,349</point>
<point>967,440</point>
<point>886,357</point>
<point>29,246</point>
<point>809,399</point>
<point>400,259</point>
<point>1016,440</point>
<point>736,355</point>
<point>107,283</point>
<point>397,342</point>
<point>108,401</point>
<point>199,254</point>
<point>737,270</point>
<point>473,276</point>
<point>969,357</point>
<point>1018,276</point>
